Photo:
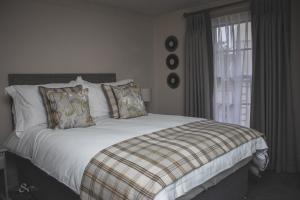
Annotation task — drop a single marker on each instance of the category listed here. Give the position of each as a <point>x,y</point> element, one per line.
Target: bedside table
<point>3,176</point>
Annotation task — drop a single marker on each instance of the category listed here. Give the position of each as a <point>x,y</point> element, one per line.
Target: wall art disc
<point>172,61</point>
<point>171,43</point>
<point>173,80</point>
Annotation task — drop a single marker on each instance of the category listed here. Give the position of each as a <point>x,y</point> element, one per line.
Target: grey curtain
<point>272,111</point>
<point>199,66</point>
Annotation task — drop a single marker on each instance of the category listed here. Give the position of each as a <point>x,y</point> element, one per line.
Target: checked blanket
<point>140,167</point>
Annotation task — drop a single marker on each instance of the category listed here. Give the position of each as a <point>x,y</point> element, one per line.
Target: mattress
<point>64,154</point>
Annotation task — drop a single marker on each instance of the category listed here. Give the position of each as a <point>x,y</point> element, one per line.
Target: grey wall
<point>54,37</point>
<point>165,99</point>
<point>296,66</point>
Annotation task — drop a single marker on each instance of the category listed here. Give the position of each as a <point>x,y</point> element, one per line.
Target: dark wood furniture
<point>232,186</point>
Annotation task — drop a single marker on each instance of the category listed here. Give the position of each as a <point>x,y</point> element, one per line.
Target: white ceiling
<point>157,7</point>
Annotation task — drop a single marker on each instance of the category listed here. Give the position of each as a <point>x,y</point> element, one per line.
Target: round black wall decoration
<point>173,80</point>
<point>172,61</point>
<point>171,43</point>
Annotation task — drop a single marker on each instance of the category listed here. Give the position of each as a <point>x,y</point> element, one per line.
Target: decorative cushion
<point>129,101</point>
<point>44,91</point>
<point>70,109</point>
<point>111,99</point>
<point>112,103</point>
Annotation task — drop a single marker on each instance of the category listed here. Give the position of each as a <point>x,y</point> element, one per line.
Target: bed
<point>46,158</point>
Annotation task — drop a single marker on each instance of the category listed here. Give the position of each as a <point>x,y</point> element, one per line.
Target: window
<point>232,44</point>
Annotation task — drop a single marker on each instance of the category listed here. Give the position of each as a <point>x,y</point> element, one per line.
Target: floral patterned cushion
<point>129,100</point>
<point>111,99</point>
<point>44,90</point>
<point>70,109</point>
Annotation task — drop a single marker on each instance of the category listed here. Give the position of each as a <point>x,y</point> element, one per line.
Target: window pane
<point>233,68</point>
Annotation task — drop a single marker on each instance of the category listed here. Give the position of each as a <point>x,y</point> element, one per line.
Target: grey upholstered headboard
<point>36,79</point>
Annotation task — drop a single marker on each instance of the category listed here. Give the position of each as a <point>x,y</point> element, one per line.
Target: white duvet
<point>64,154</point>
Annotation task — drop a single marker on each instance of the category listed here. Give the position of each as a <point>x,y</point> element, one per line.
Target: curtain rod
<point>216,8</point>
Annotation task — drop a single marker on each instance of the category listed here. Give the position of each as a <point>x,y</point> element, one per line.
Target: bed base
<point>48,188</point>
<point>233,187</point>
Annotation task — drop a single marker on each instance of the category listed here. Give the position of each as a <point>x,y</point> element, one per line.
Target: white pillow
<point>28,105</point>
<point>97,100</point>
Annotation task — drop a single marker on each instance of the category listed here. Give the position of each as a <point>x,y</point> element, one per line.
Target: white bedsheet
<point>64,154</point>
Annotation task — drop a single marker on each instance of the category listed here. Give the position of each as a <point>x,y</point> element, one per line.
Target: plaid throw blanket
<point>139,168</point>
